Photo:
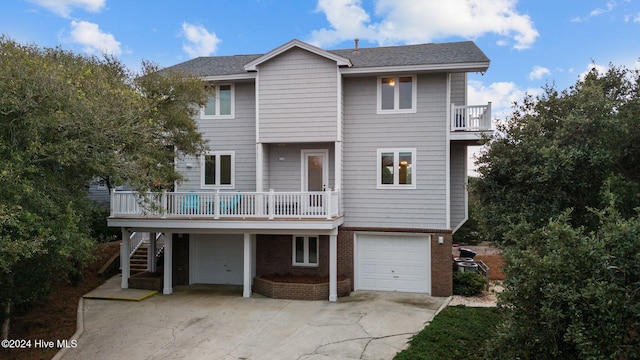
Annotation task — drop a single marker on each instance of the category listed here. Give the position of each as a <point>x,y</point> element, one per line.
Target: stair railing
<point>159,244</point>
<point>135,240</point>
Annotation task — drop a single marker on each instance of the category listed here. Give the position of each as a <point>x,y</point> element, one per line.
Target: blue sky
<point>530,43</point>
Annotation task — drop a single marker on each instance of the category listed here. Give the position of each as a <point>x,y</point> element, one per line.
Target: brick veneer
<point>274,256</point>
<point>283,290</point>
<point>441,271</point>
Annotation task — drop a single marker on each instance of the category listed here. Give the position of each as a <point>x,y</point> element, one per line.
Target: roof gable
<point>340,60</point>
<point>454,56</point>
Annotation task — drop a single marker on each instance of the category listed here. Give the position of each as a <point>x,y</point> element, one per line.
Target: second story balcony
<point>468,122</point>
<point>218,210</point>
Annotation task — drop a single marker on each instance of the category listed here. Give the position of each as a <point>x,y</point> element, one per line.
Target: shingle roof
<point>423,54</point>
<point>215,65</point>
<point>389,56</point>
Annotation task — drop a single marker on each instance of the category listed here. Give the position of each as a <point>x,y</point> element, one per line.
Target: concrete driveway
<point>211,322</point>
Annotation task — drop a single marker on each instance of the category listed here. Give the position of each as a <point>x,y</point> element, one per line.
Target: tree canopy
<point>564,150</point>
<point>559,191</point>
<point>66,119</point>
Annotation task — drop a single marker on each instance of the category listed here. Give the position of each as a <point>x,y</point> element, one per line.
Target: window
<point>396,168</point>
<point>397,94</point>
<point>221,104</point>
<point>305,250</point>
<point>218,170</point>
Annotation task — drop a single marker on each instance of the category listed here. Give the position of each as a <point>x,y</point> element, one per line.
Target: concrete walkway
<point>213,322</point>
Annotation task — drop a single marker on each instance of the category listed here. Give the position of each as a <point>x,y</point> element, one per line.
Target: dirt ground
<point>55,319</point>
<point>490,255</point>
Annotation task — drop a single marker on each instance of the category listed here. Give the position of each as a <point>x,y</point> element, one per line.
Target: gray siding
<point>298,98</point>
<point>365,132</point>
<point>458,179</point>
<point>99,194</point>
<point>459,88</point>
<point>237,134</point>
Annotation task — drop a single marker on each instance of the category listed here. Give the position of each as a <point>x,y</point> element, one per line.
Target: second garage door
<point>393,263</point>
<point>217,259</point>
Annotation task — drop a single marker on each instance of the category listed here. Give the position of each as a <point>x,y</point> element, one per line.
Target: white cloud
<point>600,11</point>
<point>94,40</point>
<point>633,18</point>
<point>601,69</point>
<point>596,12</point>
<point>65,7</point>
<point>538,72</point>
<point>410,21</point>
<point>200,42</point>
<point>502,95</point>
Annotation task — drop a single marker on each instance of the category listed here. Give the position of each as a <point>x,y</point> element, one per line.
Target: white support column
<point>125,261</point>
<point>333,267</point>
<point>151,254</point>
<point>246,282</point>
<point>259,167</point>
<point>168,264</point>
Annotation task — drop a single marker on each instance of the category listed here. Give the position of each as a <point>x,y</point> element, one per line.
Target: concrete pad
<point>213,322</point>
<point>112,291</point>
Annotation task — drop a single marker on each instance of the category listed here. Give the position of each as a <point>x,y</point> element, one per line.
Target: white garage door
<point>217,259</point>
<point>393,263</point>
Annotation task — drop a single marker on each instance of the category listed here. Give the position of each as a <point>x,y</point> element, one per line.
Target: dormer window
<point>220,104</point>
<point>397,94</point>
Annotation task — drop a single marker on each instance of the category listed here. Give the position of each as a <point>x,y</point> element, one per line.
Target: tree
<point>559,189</point>
<point>575,294</point>
<point>66,119</point>
<point>563,150</point>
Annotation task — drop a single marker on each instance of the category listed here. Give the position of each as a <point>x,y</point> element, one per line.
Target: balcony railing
<point>216,205</point>
<point>471,117</point>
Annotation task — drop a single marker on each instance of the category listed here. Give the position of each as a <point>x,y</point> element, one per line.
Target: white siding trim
<point>447,156</point>
<point>257,85</point>
<point>396,109</point>
<point>468,67</point>
<point>304,167</point>
<point>217,184</point>
<point>339,107</point>
<point>233,103</point>
<point>259,167</point>
<point>396,156</point>
<point>341,61</point>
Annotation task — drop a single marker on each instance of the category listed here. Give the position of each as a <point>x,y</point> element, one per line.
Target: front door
<point>315,177</point>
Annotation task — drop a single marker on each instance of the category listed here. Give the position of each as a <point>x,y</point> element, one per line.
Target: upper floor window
<point>396,168</point>
<point>396,94</point>
<point>218,170</point>
<point>220,104</point>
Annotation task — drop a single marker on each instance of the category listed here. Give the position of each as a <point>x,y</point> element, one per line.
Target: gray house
<point>344,164</point>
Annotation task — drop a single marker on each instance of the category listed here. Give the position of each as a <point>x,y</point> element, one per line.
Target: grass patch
<point>457,332</point>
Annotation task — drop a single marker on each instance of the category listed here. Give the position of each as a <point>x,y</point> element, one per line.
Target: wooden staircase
<point>138,260</point>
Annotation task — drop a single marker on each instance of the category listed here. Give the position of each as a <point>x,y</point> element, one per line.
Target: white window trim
<point>396,97</point>
<point>306,262</point>
<point>233,104</point>
<point>217,180</point>
<point>396,174</point>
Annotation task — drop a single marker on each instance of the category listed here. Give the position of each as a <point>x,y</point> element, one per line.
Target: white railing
<point>136,239</point>
<point>471,117</point>
<point>270,205</point>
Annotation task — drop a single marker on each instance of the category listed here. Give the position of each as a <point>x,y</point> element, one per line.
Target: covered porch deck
<point>242,215</point>
<point>230,205</point>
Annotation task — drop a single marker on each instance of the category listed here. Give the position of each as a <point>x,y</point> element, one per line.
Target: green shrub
<point>572,293</point>
<point>468,283</point>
